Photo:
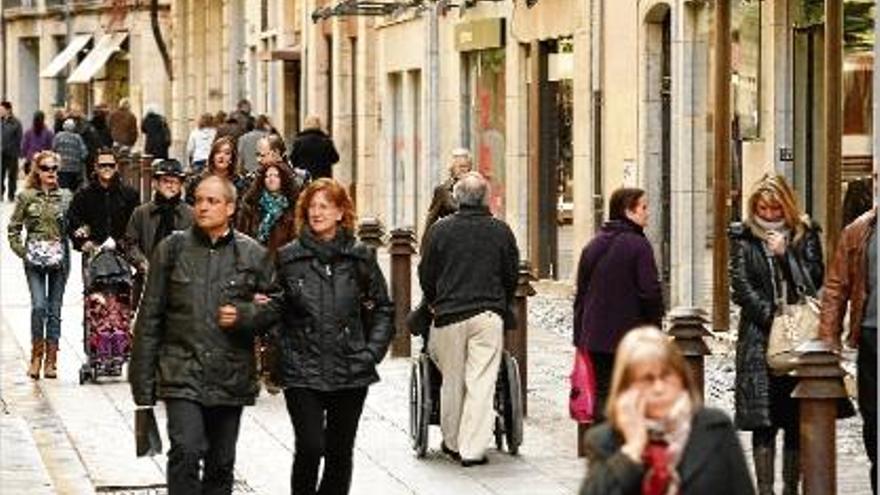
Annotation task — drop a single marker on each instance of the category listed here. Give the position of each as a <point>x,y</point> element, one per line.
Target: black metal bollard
<point>688,326</point>
<point>403,246</point>
<point>371,232</point>
<point>820,387</point>
<point>516,341</point>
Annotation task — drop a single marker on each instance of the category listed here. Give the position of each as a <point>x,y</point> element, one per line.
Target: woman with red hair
<point>335,328</point>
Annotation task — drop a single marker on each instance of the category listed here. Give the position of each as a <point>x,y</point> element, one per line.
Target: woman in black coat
<point>336,325</point>
<point>775,252</point>
<point>659,439</point>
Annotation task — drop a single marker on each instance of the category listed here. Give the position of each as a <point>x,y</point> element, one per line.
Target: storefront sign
<point>481,34</point>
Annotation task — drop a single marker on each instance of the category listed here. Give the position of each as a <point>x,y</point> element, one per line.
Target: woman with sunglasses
<point>36,235</point>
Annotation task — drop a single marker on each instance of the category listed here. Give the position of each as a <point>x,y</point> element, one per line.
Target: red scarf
<point>658,477</point>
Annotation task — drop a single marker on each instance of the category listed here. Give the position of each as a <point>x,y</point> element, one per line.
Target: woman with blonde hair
<point>776,254</point>
<point>40,210</point>
<point>659,439</point>
<point>335,328</point>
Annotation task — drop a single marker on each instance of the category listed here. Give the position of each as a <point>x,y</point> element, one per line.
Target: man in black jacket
<point>10,142</point>
<point>101,209</point>
<point>194,339</point>
<point>468,276</point>
<point>313,150</point>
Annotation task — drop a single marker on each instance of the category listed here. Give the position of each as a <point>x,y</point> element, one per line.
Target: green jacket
<point>179,351</point>
<point>41,214</point>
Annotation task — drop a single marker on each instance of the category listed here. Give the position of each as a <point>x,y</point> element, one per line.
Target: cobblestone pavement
<point>60,437</point>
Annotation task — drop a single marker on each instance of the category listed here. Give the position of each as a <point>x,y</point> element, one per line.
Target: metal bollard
<point>371,232</point>
<point>403,246</point>
<point>688,326</point>
<point>516,341</point>
<point>820,387</point>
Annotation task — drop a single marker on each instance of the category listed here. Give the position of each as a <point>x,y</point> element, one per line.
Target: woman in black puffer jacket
<point>775,252</point>
<point>336,325</point>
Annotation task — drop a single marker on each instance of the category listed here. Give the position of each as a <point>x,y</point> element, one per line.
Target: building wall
<point>43,26</point>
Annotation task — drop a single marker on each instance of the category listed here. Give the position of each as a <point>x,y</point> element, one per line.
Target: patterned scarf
<point>668,437</point>
<point>272,206</point>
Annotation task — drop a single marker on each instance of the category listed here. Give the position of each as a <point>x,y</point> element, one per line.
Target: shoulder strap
<point>175,247</point>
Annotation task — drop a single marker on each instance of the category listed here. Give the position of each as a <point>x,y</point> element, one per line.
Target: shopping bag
<point>146,432</point>
<point>582,398</point>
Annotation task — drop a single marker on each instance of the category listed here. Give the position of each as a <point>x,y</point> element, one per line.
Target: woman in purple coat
<point>618,288</point>
<point>36,139</point>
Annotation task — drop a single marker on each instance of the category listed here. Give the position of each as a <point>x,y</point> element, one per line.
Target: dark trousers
<point>603,365</point>
<point>8,175</point>
<point>201,435</point>
<point>324,425</point>
<point>866,364</point>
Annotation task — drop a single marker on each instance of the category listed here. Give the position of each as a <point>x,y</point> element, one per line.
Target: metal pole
<point>403,242</point>
<point>721,187</point>
<point>688,327</point>
<point>819,388</point>
<point>833,122</point>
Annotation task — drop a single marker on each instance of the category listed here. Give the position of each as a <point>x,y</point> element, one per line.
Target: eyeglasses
<point>107,165</point>
<point>48,168</point>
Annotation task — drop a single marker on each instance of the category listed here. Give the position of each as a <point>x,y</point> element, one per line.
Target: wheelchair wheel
<point>419,405</point>
<point>512,413</point>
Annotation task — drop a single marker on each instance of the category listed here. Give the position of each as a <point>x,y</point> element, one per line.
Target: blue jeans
<point>47,292</point>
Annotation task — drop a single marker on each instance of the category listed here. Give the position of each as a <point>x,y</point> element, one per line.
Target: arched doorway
<point>656,174</point>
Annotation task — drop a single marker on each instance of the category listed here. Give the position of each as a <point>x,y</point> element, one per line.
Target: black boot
<point>791,471</point>
<point>764,456</point>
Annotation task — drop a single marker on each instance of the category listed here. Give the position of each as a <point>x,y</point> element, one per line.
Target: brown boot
<point>37,348</point>
<point>51,357</point>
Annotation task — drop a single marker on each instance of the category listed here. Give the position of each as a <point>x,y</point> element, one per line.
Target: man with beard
<point>155,220</point>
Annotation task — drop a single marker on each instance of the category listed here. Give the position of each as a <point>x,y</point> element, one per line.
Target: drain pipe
<point>434,91</point>
<point>596,35</point>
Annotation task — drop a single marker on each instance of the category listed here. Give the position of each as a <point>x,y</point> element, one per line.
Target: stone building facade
<point>99,53</point>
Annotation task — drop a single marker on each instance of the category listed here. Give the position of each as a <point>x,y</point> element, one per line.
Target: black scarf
<point>165,208</point>
<point>327,251</point>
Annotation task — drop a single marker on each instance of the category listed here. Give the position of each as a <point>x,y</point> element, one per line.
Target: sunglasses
<point>107,165</point>
<point>48,168</point>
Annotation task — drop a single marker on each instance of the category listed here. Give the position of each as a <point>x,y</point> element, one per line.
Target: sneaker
<point>451,453</point>
<point>474,462</point>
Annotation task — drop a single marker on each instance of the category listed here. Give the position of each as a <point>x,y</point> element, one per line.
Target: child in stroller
<point>107,321</point>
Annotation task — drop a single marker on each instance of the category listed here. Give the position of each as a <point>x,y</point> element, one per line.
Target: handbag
<point>582,397</point>
<point>793,325</point>
<point>48,255</point>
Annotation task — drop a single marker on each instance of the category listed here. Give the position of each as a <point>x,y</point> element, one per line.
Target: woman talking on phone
<point>774,254</point>
<point>658,439</point>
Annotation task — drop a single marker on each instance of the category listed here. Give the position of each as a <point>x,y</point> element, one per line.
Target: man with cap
<point>155,220</point>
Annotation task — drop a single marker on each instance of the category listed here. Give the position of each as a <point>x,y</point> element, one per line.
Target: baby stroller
<point>424,402</point>
<point>107,297</point>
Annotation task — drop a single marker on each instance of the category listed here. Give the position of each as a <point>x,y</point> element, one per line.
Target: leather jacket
<point>846,280</point>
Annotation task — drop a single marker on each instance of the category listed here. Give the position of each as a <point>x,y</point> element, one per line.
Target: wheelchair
<point>424,403</point>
